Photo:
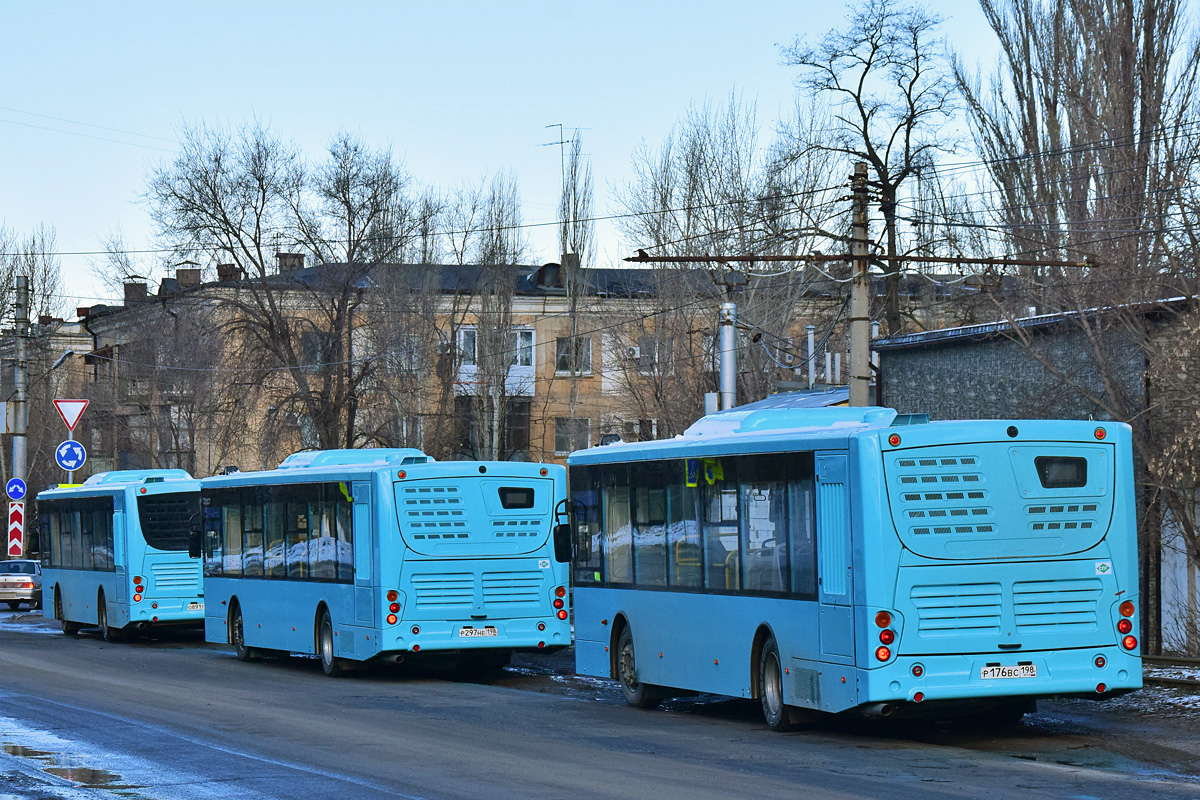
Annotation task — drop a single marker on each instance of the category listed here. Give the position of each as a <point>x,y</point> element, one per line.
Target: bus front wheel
<point>237,637</point>
<point>68,627</point>
<point>637,694</point>
<point>770,688</point>
<point>331,664</point>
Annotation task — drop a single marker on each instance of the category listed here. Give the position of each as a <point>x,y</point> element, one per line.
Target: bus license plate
<point>467,633</point>
<point>1019,671</point>
<point>195,606</point>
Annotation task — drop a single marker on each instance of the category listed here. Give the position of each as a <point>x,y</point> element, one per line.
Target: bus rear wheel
<point>331,664</point>
<point>237,637</point>
<point>770,688</point>
<point>109,634</point>
<point>69,628</point>
<point>637,694</point>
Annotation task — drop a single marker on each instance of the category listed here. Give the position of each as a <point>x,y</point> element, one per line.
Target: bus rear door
<point>834,577</point>
<point>364,595</point>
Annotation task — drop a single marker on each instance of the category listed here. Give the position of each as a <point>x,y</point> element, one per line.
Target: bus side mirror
<point>195,545</point>
<point>562,543</point>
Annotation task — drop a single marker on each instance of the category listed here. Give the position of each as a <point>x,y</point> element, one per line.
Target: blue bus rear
<point>362,555</point>
<point>115,552</point>
<point>833,559</point>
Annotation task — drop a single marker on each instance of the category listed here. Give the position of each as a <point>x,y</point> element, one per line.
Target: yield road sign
<point>70,411</point>
<point>70,455</point>
<point>15,489</point>
<point>16,530</point>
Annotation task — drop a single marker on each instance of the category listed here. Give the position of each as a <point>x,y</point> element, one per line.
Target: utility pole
<point>728,345</point>
<point>21,382</point>
<point>860,295</point>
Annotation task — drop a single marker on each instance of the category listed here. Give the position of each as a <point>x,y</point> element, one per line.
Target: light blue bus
<point>115,552</point>
<point>384,554</point>
<point>854,559</point>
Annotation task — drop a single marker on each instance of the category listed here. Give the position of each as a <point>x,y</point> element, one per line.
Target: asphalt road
<point>180,719</point>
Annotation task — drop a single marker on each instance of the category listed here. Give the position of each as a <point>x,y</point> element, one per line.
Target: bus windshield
<point>167,519</point>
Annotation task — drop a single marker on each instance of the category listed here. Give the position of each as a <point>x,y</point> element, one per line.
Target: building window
<point>641,430</point>
<point>655,356</point>
<point>467,338</point>
<point>570,434</point>
<point>521,347</point>
<point>516,426</point>
<point>573,355</point>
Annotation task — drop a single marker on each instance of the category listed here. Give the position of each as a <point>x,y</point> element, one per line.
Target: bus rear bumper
<point>510,634</point>
<point>1098,672</point>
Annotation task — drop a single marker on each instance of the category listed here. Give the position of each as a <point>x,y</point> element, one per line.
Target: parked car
<point>21,582</point>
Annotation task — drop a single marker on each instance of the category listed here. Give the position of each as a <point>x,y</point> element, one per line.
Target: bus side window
<point>231,520</point>
<point>103,529</point>
<point>345,538</point>
<point>721,547</point>
<point>274,540</point>
<point>323,555</point>
<point>618,526</point>
<point>252,533</point>
<point>683,535</point>
<point>803,530</point>
<point>585,516</point>
<point>296,531</point>
<point>650,534</point>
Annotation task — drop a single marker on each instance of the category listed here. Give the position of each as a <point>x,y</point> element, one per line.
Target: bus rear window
<point>166,519</point>
<point>516,497</point>
<point>1061,472</point>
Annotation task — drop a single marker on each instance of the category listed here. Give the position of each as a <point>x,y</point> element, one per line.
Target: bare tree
<point>893,97</point>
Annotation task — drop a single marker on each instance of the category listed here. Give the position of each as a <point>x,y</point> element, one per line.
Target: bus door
<point>364,596</point>
<point>120,554</point>
<point>834,578</point>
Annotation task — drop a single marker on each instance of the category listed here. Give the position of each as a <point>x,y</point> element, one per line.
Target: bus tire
<point>237,637</point>
<point>770,688</point>
<point>331,664</point>
<point>68,628</point>
<point>637,694</point>
<point>110,634</point>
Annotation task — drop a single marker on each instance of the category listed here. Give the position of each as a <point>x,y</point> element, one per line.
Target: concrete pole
<point>21,382</point>
<point>860,310</point>
<point>728,344</point>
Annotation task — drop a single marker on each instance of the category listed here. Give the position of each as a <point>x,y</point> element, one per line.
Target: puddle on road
<point>60,766</point>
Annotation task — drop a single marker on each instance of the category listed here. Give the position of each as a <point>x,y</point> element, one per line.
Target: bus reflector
<point>1127,608</point>
<point>541,626</point>
<point>883,619</point>
<point>1100,687</point>
<point>919,696</point>
<point>401,474</point>
<point>393,595</point>
<point>1129,643</point>
<point>416,629</point>
<point>541,645</point>
<point>1124,625</point>
<point>391,618</point>
<point>887,636</point>
<point>561,591</point>
<point>154,605</point>
<point>917,670</point>
<point>416,648</point>
<point>883,653</point>
<point>1100,434</point>
<point>1100,662</point>
<point>543,472</point>
<point>562,614</point>
<point>894,439</point>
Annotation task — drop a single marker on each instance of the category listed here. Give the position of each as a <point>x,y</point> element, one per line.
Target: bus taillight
<point>391,618</point>
<point>1124,626</point>
<point>560,591</point>
<point>883,653</point>
<point>1129,643</point>
<point>394,608</point>
<point>137,598</point>
<point>558,602</point>
<point>562,614</point>
<point>883,619</point>
<point>1127,608</point>
<point>887,636</point>
<point>393,595</point>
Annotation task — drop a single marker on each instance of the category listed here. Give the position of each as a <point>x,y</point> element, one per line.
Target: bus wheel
<point>109,634</point>
<point>69,628</point>
<point>639,695</point>
<point>770,688</point>
<point>237,637</point>
<point>329,662</point>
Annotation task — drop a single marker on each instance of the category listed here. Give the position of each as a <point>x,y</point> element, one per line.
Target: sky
<point>95,95</point>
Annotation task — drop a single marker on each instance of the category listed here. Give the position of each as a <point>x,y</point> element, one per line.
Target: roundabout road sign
<point>70,455</point>
<point>15,489</point>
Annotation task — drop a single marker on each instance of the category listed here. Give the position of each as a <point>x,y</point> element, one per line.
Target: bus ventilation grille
<point>510,528</point>
<point>806,687</point>
<point>512,588</point>
<point>1063,517</point>
<point>942,498</point>
<point>453,590</point>
<point>1057,605</point>
<point>957,609</point>
<point>175,576</point>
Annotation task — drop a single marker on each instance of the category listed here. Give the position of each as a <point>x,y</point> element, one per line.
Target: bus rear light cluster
<point>883,653</point>
<point>1129,643</point>
<point>1100,661</point>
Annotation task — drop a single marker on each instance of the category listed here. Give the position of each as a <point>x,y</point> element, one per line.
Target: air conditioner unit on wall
<point>633,352</point>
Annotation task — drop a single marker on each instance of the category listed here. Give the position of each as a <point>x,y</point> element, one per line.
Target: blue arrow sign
<point>15,489</point>
<point>70,455</point>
